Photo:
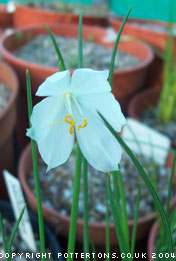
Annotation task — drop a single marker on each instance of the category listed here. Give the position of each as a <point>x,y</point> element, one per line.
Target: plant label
<point>17,199</point>
<point>146,141</point>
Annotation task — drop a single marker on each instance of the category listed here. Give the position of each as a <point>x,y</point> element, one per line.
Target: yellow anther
<point>71,122</point>
<point>83,125</point>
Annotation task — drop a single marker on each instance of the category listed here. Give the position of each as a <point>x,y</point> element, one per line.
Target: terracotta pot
<point>6,19</point>
<point>27,16</point>
<point>96,230</point>
<point>155,38</point>
<point>7,123</point>
<point>126,82</point>
<point>151,241</point>
<point>142,101</point>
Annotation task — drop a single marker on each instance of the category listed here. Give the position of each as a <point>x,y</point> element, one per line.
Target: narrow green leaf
<point>170,185</point>
<point>14,232</point>
<point>29,96</point>
<point>75,201</point>
<point>85,205</point>
<point>3,235</point>
<point>133,240</point>
<point>117,224</point>
<point>124,211</point>
<point>172,220</point>
<point>35,169</point>
<point>59,55</point>
<point>116,46</point>
<point>149,185</point>
<point>107,225</point>
<point>80,55</point>
<point>93,250</point>
<point>115,178</point>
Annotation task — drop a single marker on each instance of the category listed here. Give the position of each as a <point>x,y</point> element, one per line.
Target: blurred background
<point>149,9</point>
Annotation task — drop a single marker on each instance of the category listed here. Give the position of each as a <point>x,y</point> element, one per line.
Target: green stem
<point>119,232</point>
<point>133,240</point>
<point>115,177</point>
<point>170,185</point>
<point>85,212</point>
<point>118,199</point>
<point>74,210</point>
<point>36,175</point>
<point>124,211</point>
<point>3,234</point>
<point>80,55</point>
<point>107,224</point>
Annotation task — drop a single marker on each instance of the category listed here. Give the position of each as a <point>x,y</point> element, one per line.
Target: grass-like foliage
<point>167,100</point>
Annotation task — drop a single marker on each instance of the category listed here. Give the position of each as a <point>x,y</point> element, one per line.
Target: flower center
<point>70,120</point>
<point>72,123</point>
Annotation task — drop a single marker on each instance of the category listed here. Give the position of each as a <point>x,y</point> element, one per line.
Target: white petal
<point>55,84</point>
<point>107,105</point>
<point>98,145</point>
<point>51,132</point>
<point>87,81</point>
<point>43,115</point>
<point>56,147</point>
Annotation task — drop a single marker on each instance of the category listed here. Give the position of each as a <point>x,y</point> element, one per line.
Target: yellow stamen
<point>55,123</point>
<point>83,125</point>
<point>71,122</point>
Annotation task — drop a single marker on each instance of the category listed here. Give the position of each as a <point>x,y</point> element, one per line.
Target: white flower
<point>71,108</point>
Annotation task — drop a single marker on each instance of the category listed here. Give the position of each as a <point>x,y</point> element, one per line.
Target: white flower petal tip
<point>71,110</point>
<point>55,84</point>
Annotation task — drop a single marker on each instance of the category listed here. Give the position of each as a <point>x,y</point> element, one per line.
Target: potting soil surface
<point>4,95</point>
<point>40,50</point>
<point>57,188</point>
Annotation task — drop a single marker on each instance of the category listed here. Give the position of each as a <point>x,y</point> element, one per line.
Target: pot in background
<point>126,81</point>
<point>6,19</point>
<point>7,123</point>
<point>28,16</point>
<point>96,230</point>
<point>156,38</point>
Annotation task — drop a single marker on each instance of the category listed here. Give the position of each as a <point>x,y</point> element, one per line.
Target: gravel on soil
<point>57,185</point>
<point>40,50</point>
<point>149,117</point>
<point>4,95</point>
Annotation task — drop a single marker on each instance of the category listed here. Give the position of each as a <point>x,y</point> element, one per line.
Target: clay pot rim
<point>139,96</point>
<point>151,240</point>
<point>50,12</point>
<point>14,89</point>
<point>5,52</point>
<point>26,151</point>
<point>146,30</point>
